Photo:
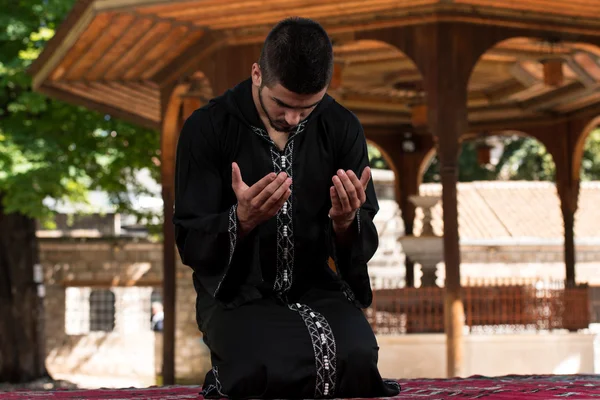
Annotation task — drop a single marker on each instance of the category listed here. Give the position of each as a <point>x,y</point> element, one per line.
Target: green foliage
<point>376,158</point>
<point>590,165</point>
<point>52,149</point>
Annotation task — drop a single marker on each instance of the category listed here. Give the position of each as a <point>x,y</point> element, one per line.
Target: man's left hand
<point>347,196</point>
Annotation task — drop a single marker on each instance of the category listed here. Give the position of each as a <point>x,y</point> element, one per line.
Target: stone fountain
<point>426,249</point>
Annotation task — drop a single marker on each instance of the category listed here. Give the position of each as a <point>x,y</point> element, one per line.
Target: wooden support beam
<point>582,74</point>
<point>553,72</point>
<point>555,97</point>
<point>171,125</point>
<point>446,54</point>
<point>504,90</point>
<point>419,115</point>
<point>523,76</point>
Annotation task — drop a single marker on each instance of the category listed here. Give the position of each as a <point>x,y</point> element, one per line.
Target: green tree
<point>48,149</point>
<point>376,158</point>
<point>522,158</point>
<point>590,165</point>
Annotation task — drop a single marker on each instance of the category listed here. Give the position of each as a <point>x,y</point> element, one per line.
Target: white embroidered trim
<point>232,228</point>
<point>285,229</point>
<point>324,347</point>
<point>217,386</point>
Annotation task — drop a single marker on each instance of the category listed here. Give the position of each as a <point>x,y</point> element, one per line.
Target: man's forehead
<point>280,93</point>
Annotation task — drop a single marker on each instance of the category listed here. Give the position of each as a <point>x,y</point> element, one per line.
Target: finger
<point>350,190</point>
<point>259,186</point>
<point>336,204</point>
<point>236,178</point>
<point>365,177</point>
<point>264,195</point>
<point>343,196</point>
<point>360,190</point>
<point>277,206</point>
<point>276,196</point>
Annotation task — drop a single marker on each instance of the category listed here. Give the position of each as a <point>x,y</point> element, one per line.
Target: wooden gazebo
<point>420,74</point>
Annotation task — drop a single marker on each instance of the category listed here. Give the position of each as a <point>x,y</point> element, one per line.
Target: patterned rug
<point>513,387</point>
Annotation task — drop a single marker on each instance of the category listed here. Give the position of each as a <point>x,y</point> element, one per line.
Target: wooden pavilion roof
<point>114,55</point>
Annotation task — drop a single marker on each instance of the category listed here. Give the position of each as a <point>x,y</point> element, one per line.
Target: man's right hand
<point>261,201</point>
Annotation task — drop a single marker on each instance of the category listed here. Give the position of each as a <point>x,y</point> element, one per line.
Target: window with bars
<point>102,311</point>
<point>123,310</point>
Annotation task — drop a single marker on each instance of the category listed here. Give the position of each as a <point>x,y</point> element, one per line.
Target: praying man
<point>273,180</point>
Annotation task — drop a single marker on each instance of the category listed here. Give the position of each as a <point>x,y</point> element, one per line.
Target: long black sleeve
<point>205,223</point>
<point>351,260</point>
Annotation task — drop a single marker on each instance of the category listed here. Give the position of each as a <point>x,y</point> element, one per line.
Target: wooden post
<point>569,223</point>
<point>563,142</point>
<point>446,53</point>
<point>171,125</point>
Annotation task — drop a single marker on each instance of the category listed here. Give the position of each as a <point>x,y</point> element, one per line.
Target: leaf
<point>50,149</point>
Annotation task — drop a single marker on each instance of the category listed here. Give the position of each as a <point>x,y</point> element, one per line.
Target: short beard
<point>262,104</point>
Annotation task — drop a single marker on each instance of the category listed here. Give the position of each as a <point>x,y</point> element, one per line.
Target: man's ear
<point>256,75</point>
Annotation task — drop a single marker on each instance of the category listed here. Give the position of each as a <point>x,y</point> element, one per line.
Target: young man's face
<point>283,108</point>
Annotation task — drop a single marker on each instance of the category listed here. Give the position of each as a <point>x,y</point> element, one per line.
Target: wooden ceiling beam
<point>242,10</point>
<point>118,24</point>
<point>589,62</point>
<point>188,62</point>
<point>103,5</point>
<point>506,89</point>
<point>236,15</point>
<point>101,93</point>
<point>387,119</point>
<point>162,47</point>
<point>153,95</point>
<point>119,47</point>
<point>137,50</point>
<point>552,98</point>
<point>87,39</point>
<point>369,105</point>
<point>104,108</point>
<point>523,76</point>
<point>48,61</point>
<point>171,53</point>
<point>582,74</point>
<point>582,102</point>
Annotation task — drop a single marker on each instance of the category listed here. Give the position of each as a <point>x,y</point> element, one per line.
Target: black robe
<point>278,321</point>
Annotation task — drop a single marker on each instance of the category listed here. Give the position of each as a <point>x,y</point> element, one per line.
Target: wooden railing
<point>507,307</point>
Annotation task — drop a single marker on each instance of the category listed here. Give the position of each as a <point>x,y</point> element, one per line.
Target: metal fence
<point>490,306</point>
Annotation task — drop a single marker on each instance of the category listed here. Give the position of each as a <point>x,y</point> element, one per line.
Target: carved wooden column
<point>446,54</point>
<point>171,125</point>
<point>565,141</point>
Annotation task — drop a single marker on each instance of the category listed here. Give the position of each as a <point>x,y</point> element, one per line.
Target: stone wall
<point>132,270</point>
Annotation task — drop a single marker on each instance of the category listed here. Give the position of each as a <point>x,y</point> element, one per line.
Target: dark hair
<point>298,54</point>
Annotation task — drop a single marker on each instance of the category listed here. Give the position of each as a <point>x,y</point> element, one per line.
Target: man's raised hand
<point>261,201</point>
<point>347,195</point>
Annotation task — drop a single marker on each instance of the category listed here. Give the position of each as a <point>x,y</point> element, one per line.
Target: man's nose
<point>292,118</point>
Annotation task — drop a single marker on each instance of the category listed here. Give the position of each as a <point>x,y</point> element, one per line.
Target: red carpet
<point>477,387</point>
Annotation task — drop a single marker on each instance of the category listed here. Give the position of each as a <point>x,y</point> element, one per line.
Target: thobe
<point>278,321</point>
